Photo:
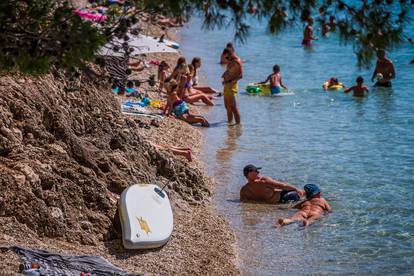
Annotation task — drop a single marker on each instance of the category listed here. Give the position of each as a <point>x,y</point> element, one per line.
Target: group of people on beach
<point>182,87</point>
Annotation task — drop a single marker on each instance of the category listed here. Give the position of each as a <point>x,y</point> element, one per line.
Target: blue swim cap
<point>311,190</point>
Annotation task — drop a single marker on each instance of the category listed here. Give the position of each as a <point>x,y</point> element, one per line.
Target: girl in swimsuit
<point>189,94</point>
<point>180,108</point>
<point>178,70</point>
<point>196,63</point>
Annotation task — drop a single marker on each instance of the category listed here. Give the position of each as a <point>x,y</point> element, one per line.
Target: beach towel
<point>135,109</point>
<point>53,264</point>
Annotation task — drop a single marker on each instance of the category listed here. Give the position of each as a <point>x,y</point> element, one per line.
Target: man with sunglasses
<point>267,190</point>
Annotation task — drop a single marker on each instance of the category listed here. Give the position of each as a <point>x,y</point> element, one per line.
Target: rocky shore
<point>64,151</point>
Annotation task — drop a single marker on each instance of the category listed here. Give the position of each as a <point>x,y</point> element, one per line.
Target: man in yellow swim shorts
<point>233,73</point>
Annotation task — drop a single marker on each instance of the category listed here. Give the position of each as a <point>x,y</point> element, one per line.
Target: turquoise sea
<point>360,151</point>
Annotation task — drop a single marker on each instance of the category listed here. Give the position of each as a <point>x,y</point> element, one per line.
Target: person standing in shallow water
<point>233,73</point>
<point>308,34</point>
<point>384,70</point>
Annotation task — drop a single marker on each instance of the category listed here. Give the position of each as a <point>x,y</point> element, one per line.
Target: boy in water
<point>310,210</point>
<point>308,34</point>
<point>275,80</point>
<point>359,89</point>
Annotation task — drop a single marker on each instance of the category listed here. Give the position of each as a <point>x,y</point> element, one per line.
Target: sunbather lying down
<point>186,152</point>
<point>310,210</point>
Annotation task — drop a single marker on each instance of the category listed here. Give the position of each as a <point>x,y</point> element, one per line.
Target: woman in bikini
<point>178,70</point>
<point>196,63</point>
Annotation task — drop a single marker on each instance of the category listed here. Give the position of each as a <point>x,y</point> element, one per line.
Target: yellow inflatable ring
<point>334,87</point>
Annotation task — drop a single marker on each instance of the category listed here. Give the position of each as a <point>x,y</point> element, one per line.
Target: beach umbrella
<point>138,44</point>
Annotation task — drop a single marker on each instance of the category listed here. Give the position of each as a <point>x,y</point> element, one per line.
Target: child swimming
<point>275,80</point>
<point>359,89</point>
<point>332,83</point>
<point>310,210</point>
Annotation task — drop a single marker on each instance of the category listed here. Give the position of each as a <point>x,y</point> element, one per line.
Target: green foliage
<point>36,35</point>
<point>368,25</point>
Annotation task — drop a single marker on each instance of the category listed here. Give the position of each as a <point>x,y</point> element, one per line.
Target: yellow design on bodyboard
<point>144,225</point>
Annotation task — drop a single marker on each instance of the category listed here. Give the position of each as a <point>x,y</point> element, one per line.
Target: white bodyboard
<point>146,216</point>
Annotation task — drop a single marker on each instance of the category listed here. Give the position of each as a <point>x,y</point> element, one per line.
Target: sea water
<point>359,150</point>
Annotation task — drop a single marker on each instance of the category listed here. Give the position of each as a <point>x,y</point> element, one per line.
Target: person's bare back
<point>310,210</point>
<point>275,80</point>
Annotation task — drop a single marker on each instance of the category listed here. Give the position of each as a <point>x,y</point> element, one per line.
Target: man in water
<point>266,189</point>
<point>233,73</point>
<point>308,33</point>
<point>384,70</point>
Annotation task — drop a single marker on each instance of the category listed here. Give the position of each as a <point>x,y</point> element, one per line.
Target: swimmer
<point>386,68</point>
<point>275,80</point>
<point>359,89</point>
<point>331,82</point>
<point>308,34</point>
<point>310,210</point>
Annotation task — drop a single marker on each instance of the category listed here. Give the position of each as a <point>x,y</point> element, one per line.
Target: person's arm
<point>375,72</point>
<point>312,37</point>
<point>281,84</point>
<point>267,79</point>
<point>392,73</point>
<point>237,75</point>
<point>328,207</point>
<point>346,91</point>
<point>325,85</point>
<point>243,195</point>
<point>281,185</point>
